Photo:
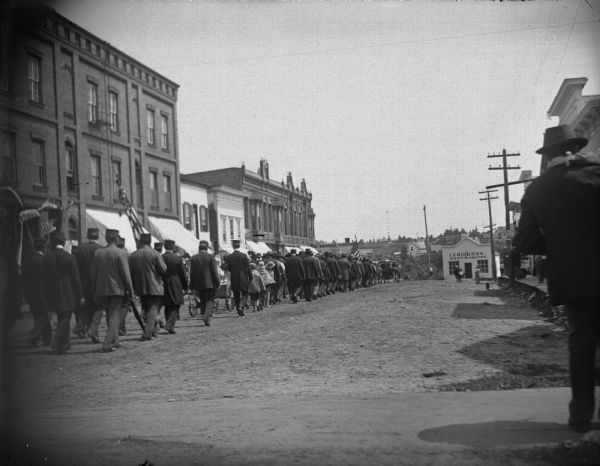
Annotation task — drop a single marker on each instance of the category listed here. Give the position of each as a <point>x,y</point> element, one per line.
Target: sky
<point>382,107</point>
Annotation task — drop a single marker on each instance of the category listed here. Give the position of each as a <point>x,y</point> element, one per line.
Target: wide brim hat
<point>556,137</point>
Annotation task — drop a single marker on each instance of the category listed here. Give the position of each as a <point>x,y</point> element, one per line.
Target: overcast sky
<point>383,107</point>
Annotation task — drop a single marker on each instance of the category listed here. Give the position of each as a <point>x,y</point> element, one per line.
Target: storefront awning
<point>258,247</point>
<point>167,228</point>
<point>104,220</point>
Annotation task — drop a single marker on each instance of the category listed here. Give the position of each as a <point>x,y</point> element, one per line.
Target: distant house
<point>416,248</point>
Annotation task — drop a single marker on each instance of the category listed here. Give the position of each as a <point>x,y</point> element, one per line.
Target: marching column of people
<point>94,281</point>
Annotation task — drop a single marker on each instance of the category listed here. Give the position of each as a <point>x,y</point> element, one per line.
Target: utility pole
<point>387,214</point>
<point>427,238</point>
<point>505,167</point>
<point>491,226</point>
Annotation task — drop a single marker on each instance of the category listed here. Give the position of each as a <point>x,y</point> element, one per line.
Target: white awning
<point>168,228</point>
<point>313,250</point>
<point>258,247</point>
<point>105,220</point>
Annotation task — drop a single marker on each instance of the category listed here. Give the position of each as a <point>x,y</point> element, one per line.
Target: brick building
<point>79,115</point>
<point>275,216</point>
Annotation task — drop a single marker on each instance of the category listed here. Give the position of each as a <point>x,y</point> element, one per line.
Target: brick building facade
<point>79,115</point>
<point>279,215</point>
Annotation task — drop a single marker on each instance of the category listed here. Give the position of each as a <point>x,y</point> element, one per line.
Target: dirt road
<point>371,344</point>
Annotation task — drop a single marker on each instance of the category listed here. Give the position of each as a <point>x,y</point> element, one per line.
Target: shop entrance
<point>468,270</point>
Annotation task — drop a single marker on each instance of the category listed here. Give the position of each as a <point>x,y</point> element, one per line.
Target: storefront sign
<point>467,255</point>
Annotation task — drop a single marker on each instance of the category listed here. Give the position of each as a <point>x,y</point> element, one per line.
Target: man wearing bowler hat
<point>147,268</point>
<point>33,289</point>
<point>89,315</point>
<point>63,288</point>
<point>175,282</point>
<point>204,279</point>
<point>238,265</point>
<point>561,219</point>
<point>111,283</point>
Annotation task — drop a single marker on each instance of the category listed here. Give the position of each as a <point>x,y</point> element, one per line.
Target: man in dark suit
<point>204,279</point>
<point>294,270</point>
<point>111,284</point>
<point>175,283</point>
<point>90,314</point>
<point>345,273</point>
<point>312,274</point>
<point>33,287</point>
<point>561,219</point>
<point>63,288</point>
<point>147,268</point>
<point>334,272</point>
<point>238,265</point>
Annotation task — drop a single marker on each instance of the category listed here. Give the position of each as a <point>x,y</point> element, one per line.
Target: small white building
<point>468,254</point>
<point>194,212</point>
<point>226,207</point>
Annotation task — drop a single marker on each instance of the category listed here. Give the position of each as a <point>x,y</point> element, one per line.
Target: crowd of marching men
<point>95,281</point>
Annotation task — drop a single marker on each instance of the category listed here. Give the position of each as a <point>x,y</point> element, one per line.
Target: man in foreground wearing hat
<point>63,288</point>
<point>158,247</point>
<point>204,280</point>
<point>33,290</point>
<point>147,268</point>
<point>89,315</point>
<point>238,265</point>
<point>111,284</point>
<point>561,219</point>
<point>175,281</point>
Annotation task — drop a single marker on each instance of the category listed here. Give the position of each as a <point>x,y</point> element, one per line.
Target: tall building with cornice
<point>276,215</point>
<point>78,116</point>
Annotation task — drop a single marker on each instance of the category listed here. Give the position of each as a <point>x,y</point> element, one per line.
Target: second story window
<point>33,74</point>
<point>92,102</point>
<point>9,156</point>
<point>113,104</point>
<point>187,216</point>
<point>96,173</point>
<point>167,182</point>
<point>138,184</point>
<point>39,157</point>
<point>70,168</point>
<point>116,173</point>
<point>153,190</point>
<point>150,126</point>
<point>164,132</point>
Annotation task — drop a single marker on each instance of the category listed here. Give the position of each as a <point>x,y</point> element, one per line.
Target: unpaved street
<point>369,344</point>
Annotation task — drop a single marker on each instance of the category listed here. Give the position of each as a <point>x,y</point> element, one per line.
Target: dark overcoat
<point>61,281</point>
<point>312,268</point>
<point>344,266</point>
<point>561,219</point>
<point>294,268</point>
<point>175,279</point>
<point>32,270</point>
<point>84,256</point>
<point>147,268</point>
<point>204,274</point>
<point>238,265</point>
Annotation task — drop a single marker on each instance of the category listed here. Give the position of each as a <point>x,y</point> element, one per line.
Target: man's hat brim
<point>581,142</point>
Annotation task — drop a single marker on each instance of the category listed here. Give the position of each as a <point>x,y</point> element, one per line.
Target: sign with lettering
<point>467,255</point>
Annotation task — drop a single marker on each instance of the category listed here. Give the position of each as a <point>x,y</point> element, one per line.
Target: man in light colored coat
<point>111,285</point>
<point>147,268</point>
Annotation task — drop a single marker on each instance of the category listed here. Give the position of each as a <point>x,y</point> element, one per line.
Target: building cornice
<point>567,88</point>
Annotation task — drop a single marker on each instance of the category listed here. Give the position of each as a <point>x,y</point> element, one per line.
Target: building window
<point>153,190</point>
<point>39,157</point>
<point>96,175</point>
<point>164,132</point>
<point>451,265</point>
<point>483,265</point>
<point>224,229</point>
<point>9,156</point>
<point>203,218</point>
<point>231,230</point>
<point>150,126</point>
<point>73,230</point>
<point>113,104</point>
<point>116,176</point>
<point>187,216</point>
<point>195,220</point>
<point>34,76</point>
<point>138,183</point>
<point>92,102</point>
<point>167,188</point>
<point>70,168</point>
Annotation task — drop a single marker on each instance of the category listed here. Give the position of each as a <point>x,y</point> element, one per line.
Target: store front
<point>468,254</point>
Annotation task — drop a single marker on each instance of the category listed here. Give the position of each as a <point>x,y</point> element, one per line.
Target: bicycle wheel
<point>192,308</point>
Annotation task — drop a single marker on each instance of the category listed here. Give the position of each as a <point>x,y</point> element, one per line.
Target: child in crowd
<point>255,287</point>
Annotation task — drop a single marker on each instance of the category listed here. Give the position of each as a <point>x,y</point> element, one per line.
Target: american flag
<point>354,252</point>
